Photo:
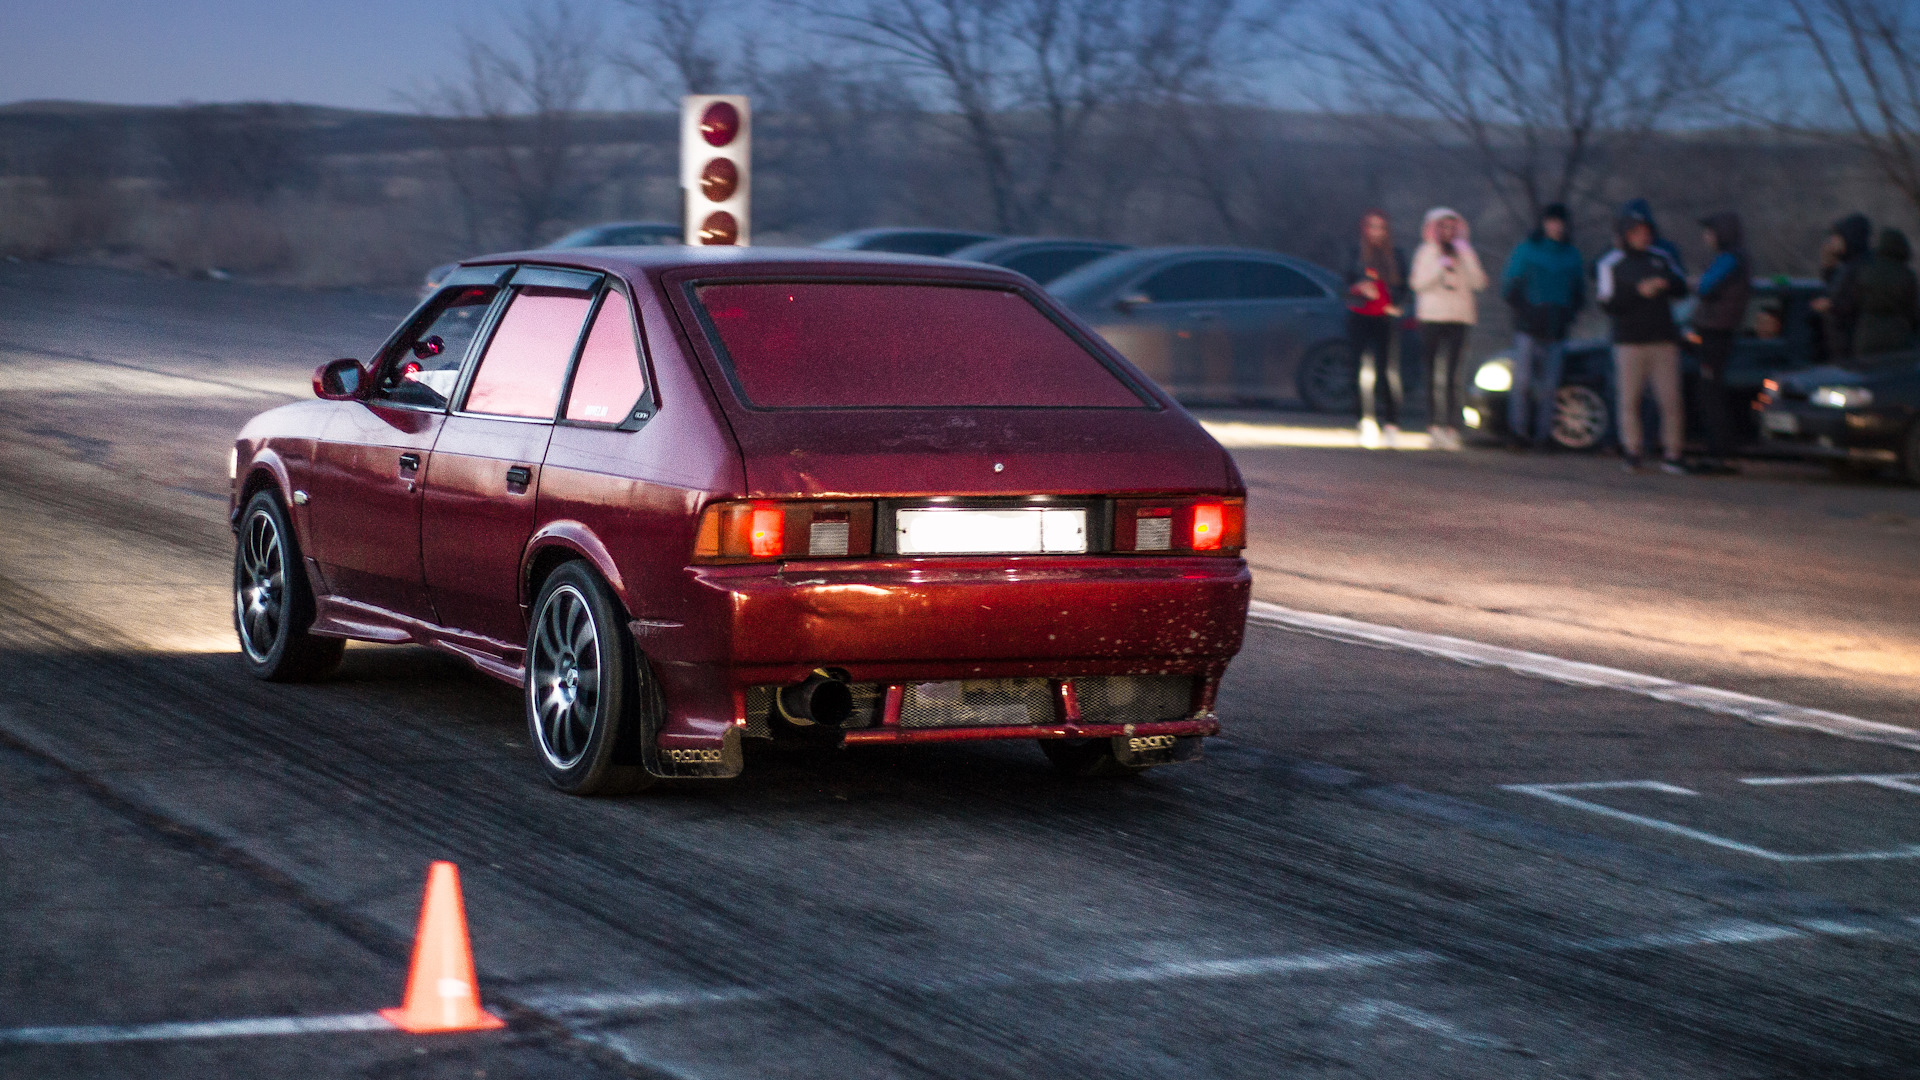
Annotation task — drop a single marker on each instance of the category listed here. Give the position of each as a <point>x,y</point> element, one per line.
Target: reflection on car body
<point>1221,325</point>
<point>905,241</point>
<point>1042,258</point>
<point>686,497</point>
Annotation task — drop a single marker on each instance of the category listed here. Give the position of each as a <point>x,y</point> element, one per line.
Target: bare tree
<point>1026,80</point>
<point>1539,92</point>
<point>519,162</point>
<point>1870,52</point>
<point>674,55</point>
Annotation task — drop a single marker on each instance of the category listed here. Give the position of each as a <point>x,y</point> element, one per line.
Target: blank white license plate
<point>1783,422</point>
<point>989,532</point>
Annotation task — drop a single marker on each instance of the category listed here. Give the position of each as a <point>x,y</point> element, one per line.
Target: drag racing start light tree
<point>715,167</point>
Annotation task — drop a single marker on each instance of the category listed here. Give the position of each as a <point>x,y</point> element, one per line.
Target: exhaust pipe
<point>822,700</point>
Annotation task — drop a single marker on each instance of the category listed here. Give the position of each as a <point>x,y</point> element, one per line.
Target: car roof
<point>856,239</point>
<point>1087,282</point>
<point>652,262</point>
<point>988,250</point>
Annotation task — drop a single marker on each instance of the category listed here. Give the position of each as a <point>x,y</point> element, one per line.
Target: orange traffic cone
<point>441,995</point>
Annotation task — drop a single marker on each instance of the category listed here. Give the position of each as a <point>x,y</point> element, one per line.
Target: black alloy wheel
<point>585,682</point>
<point>1329,378</point>
<point>1580,417</point>
<point>273,604</point>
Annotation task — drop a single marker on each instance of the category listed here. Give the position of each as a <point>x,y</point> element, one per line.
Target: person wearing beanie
<point>1842,257</point>
<point>1376,290</point>
<point>1636,285</point>
<point>1724,290</point>
<point>1545,283</point>
<point>1889,298</point>
<point>1445,275</point>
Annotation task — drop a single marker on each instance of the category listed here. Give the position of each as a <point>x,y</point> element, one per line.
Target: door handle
<point>519,477</point>
<point>409,462</point>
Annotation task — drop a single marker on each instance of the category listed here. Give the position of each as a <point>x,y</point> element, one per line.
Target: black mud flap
<point>678,763</point>
<point>1143,750</point>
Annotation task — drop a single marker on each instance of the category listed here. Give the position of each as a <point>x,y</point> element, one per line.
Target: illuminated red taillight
<point>1209,526</point>
<point>801,529</point>
<point>766,532</point>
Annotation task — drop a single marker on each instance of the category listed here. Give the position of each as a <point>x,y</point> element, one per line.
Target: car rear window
<point>847,345</point>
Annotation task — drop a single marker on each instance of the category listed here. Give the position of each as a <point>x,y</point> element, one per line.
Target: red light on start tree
<point>716,144</point>
<point>719,123</point>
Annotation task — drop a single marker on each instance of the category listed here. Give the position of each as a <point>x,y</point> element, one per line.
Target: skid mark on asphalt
<point>1557,793</point>
<point>1575,673</point>
<point>581,1012</point>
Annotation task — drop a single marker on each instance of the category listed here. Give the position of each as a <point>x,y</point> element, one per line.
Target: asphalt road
<point>1377,871</point>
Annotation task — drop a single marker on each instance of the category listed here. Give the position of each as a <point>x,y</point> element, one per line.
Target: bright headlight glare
<point>233,463</point>
<point>1843,397</point>
<point>1494,376</point>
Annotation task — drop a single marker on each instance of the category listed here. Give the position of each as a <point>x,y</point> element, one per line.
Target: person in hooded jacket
<point>1376,290</point>
<point>1545,282</point>
<point>1724,291</point>
<point>1889,298</point>
<point>1445,275</point>
<point>1636,285</point>
<point>1842,258</point>
<point>1643,210</point>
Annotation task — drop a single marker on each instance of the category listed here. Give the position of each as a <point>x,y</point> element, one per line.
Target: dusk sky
<point>356,53</point>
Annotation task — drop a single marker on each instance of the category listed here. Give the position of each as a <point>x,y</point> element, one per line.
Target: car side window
<point>521,372</point>
<point>1049,263</point>
<point>422,368</point>
<point>609,380</point>
<point>1202,279</point>
<point>1271,281</point>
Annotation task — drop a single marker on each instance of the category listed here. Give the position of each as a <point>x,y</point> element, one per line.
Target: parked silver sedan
<point>1221,325</point>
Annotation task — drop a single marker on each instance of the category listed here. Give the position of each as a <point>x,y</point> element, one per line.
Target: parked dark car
<point>1222,325</point>
<point>688,496</point>
<point>606,234</point>
<point>1041,258</point>
<point>904,241</point>
<point>1860,417</point>
<point>1584,403</point>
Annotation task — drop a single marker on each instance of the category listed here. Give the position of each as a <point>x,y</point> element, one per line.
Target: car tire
<point>1086,757</point>
<point>1580,417</point>
<point>1329,378</point>
<point>273,606</point>
<point>1910,454</point>
<point>589,695</point>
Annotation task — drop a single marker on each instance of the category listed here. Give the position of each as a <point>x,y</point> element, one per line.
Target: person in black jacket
<point>1725,288</point>
<point>1842,258</point>
<point>1376,295</point>
<point>1636,286</point>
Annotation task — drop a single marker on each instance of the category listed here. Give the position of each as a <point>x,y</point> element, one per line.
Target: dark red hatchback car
<point>686,497</point>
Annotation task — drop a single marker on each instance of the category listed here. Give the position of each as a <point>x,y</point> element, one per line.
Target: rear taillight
<point>764,530</point>
<point>1179,525</point>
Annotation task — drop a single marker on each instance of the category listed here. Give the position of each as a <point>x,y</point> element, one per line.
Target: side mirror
<point>1132,300</point>
<point>339,380</point>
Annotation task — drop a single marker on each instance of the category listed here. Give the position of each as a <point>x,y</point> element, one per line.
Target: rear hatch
<point>916,383</point>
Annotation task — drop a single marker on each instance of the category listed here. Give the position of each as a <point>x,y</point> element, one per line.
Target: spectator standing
<point>1636,286</point>
<point>1545,282</point>
<point>1842,258</point>
<point>1376,289</point>
<point>1445,275</point>
<point>1725,289</point>
<point>1889,298</point>
<point>1643,209</point>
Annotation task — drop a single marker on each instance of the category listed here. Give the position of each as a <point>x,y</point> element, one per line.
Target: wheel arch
<point>267,471</point>
<point>563,541</point>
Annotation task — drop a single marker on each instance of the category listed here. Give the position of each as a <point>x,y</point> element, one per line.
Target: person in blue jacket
<point>1546,285</point>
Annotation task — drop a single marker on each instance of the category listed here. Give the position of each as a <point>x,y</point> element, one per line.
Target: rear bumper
<point>901,621</point>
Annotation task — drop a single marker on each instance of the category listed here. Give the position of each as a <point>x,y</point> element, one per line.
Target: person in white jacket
<point>1445,275</point>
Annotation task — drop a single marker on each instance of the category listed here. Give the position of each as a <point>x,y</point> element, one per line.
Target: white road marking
<point>1372,1011</point>
<point>1891,781</point>
<point>1557,793</point>
<point>1574,673</point>
<point>582,1011</point>
<point>207,1029</point>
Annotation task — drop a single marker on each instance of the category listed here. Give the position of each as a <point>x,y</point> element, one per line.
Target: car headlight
<point>1495,376</point>
<point>233,463</point>
<point>1843,397</point>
